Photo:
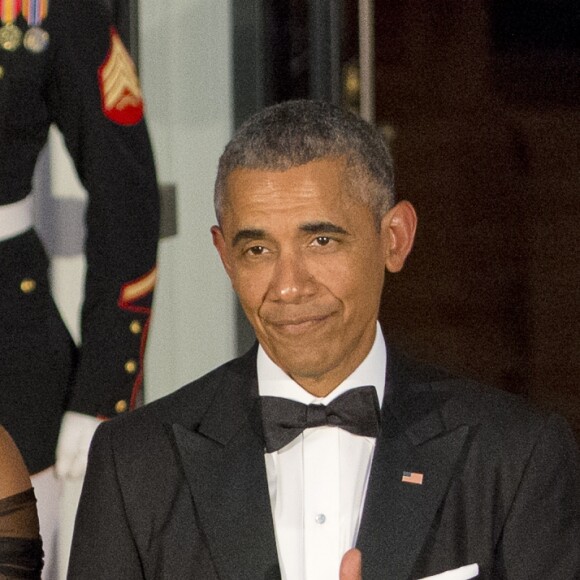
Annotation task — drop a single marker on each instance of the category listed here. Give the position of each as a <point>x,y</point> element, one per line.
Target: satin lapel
<point>223,462</point>
<point>398,515</point>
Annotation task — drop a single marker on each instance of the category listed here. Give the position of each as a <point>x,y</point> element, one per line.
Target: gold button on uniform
<point>131,367</point>
<point>28,285</point>
<point>121,406</point>
<point>135,327</point>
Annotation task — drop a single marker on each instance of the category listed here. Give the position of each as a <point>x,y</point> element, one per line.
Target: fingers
<point>351,565</point>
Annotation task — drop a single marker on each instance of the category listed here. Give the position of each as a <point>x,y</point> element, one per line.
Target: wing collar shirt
<point>318,482</point>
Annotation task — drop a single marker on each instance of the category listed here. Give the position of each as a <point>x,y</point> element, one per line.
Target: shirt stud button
<point>320,519</point>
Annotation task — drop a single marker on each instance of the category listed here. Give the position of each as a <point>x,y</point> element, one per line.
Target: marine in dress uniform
<point>65,63</point>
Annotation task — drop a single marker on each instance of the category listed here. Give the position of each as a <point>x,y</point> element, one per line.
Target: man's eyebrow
<point>322,228</point>
<point>248,234</point>
<point>309,228</point>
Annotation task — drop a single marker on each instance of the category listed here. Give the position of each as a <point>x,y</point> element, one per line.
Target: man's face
<point>307,262</point>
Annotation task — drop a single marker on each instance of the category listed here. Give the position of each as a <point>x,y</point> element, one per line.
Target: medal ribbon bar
<point>34,11</point>
<point>9,10</point>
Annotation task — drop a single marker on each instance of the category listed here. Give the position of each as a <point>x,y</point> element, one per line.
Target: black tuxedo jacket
<point>178,488</point>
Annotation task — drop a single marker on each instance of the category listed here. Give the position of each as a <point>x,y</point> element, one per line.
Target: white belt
<point>15,218</point>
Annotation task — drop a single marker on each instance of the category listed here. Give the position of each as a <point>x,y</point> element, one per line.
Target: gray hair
<point>294,133</point>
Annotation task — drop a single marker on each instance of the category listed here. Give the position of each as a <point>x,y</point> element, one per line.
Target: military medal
<point>35,11</point>
<point>36,39</point>
<point>10,37</point>
<point>10,34</point>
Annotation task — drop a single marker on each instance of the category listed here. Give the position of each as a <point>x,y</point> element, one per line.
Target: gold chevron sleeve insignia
<point>137,289</point>
<point>121,98</point>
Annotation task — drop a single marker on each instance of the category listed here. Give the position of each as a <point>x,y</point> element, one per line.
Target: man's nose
<point>291,279</point>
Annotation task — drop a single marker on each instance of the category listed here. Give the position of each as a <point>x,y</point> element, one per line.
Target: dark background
<point>484,102</point>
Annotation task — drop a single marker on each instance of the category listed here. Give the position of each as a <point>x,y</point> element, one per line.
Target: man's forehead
<point>323,178</point>
<point>316,168</point>
<point>314,193</point>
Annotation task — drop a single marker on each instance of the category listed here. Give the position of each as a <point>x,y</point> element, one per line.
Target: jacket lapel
<point>223,462</point>
<point>398,515</point>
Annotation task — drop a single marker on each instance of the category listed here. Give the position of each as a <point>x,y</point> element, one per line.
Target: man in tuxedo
<point>324,453</point>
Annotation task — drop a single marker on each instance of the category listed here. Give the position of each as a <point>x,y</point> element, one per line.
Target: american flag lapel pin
<point>412,477</point>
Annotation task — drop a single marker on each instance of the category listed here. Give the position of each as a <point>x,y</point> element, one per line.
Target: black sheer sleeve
<point>20,543</point>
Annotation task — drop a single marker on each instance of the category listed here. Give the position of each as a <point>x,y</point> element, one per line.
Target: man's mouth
<point>299,324</point>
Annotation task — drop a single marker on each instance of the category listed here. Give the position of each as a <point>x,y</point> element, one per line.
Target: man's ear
<point>220,245</point>
<point>398,227</point>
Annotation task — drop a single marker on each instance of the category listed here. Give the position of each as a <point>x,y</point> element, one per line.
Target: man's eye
<point>256,250</point>
<point>323,240</point>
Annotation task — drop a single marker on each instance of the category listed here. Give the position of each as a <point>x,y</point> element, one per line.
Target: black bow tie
<point>356,411</point>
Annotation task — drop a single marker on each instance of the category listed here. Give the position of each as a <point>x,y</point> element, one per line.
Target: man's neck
<point>321,387</point>
<point>274,381</point>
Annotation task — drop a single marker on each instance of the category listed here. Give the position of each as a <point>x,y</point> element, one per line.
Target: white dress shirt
<point>317,483</point>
